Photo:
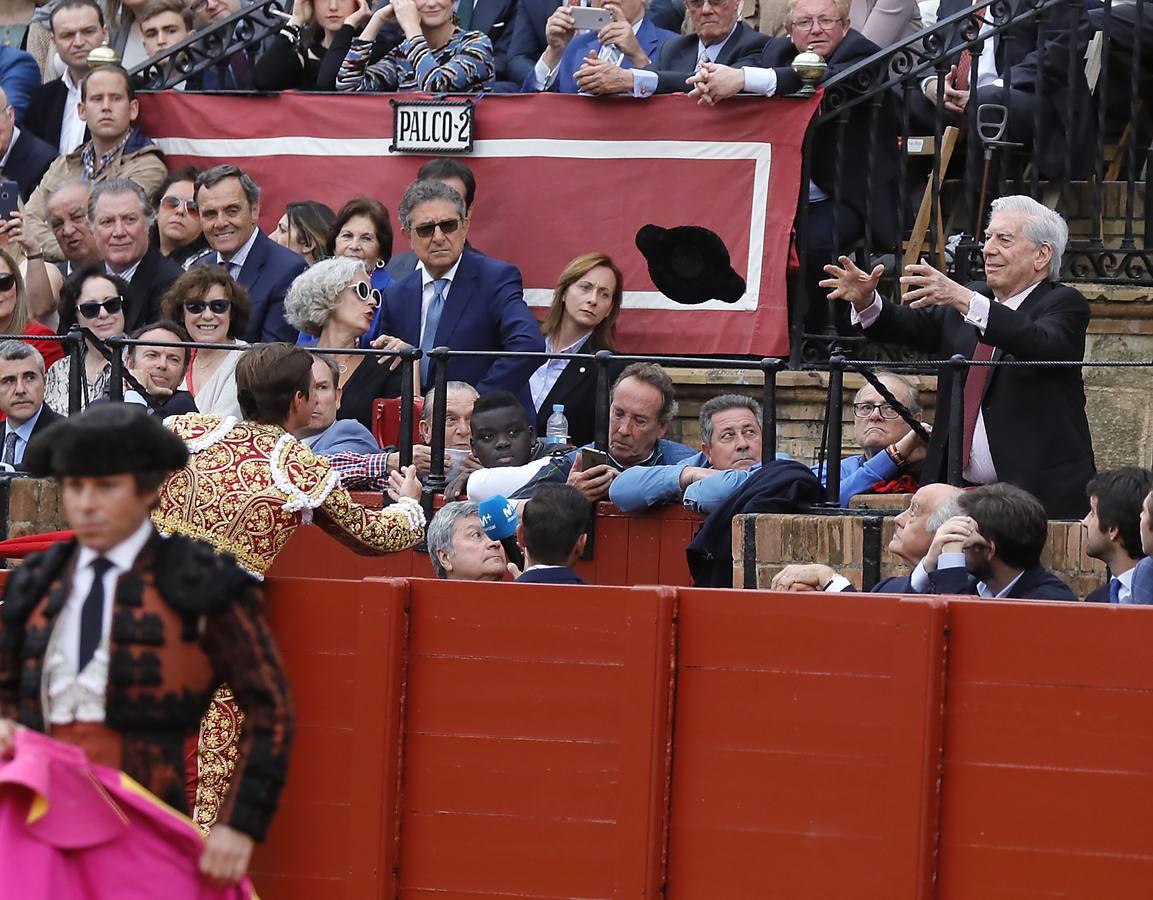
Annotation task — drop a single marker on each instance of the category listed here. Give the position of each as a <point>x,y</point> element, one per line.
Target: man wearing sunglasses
<point>120,219</point>
<point>229,203</point>
<point>458,298</point>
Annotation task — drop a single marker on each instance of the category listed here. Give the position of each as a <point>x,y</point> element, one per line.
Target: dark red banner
<point>557,176</point>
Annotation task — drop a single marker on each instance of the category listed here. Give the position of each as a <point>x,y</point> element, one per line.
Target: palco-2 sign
<point>432,126</point>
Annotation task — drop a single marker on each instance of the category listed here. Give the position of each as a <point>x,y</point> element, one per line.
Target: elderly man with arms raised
<point>1022,424</point>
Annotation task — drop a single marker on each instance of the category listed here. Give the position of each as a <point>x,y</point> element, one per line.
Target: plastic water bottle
<point>556,428</point>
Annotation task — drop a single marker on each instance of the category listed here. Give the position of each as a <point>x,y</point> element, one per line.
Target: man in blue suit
<point>719,37</point>
<point>629,41</point>
<point>553,530</point>
<point>458,298</point>
<point>229,203</point>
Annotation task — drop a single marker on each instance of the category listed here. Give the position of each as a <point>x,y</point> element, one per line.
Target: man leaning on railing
<point>1022,424</point>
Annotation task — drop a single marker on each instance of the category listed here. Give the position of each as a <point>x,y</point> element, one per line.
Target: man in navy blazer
<point>458,298</point>
<point>229,203</point>
<point>553,529</point>
<point>21,400</point>
<point>993,549</point>
<point>720,37</point>
<point>26,157</point>
<point>629,41</point>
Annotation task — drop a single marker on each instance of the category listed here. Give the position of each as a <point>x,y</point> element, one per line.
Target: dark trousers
<point>822,247</point>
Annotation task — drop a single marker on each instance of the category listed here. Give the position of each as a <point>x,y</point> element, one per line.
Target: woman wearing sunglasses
<point>214,310</point>
<point>95,301</point>
<point>15,317</point>
<point>178,233</point>
<point>335,301</point>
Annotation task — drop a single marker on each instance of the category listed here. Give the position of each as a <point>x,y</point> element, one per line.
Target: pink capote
<point>71,829</point>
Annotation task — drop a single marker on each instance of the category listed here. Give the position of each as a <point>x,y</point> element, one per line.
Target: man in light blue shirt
<point>730,445</point>
<point>21,400</point>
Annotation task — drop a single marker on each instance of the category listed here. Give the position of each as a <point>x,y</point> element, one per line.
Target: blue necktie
<point>432,320</point>
<point>1114,590</point>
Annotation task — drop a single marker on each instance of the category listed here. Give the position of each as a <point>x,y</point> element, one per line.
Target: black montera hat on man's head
<point>690,264</point>
<point>106,439</point>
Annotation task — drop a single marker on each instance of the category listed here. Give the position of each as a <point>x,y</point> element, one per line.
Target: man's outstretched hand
<point>853,284</point>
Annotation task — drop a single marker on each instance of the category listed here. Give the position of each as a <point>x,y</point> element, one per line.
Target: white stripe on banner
<point>760,153</point>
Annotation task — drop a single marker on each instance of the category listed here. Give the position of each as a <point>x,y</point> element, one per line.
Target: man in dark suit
<point>120,217</point>
<point>928,509</point>
<point>229,209</point>
<point>1112,528</point>
<point>1021,424</point>
<point>553,529</point>
<point>457,298</point>
<point>720,37</point>
<point>21,400</point>
<point>837,209</point>
<point>77,28</point>
<point>1013,59</point>
<point>494,18</point>
<point>993,549</point>
<point>527,42</point>
<point>24,158</point>
<point>629,41</point>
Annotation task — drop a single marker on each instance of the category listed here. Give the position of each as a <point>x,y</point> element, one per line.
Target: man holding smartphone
<point>628,40</point>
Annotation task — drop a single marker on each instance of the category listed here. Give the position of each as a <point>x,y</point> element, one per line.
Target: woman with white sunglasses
<point>335,301</point>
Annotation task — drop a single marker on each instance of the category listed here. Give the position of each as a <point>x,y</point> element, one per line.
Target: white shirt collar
<point>73,87</point>
<point>426,278</point>
<point>1016,300</point>
<point>241,255</point>
<point>574,347</point>
<point>713,51</point>
<point>124,554</point>
<point>984,590</point>
<point>11,144</point>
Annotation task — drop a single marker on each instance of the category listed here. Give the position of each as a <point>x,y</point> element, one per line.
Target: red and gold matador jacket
<point>247,487</point>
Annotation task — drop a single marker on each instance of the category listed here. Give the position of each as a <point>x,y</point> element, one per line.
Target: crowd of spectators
<point>107,238</point>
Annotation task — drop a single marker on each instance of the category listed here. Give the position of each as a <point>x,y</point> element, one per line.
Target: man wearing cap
<point>115,640</point>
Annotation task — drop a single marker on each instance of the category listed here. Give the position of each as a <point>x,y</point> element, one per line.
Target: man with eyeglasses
<point>839,201</point>
<point>719,37</point>
<point>120,217</point>
<point>229,203</point>
<point>458,298</point>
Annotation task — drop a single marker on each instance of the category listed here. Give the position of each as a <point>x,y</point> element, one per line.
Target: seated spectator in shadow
<point>160,370</point>
<point>435,56</point>
<point>890,450</point>
<point>993,548</point>
<point>335,301</point>
<point>214,310</point>
<point>370,471</point>
<point>459,548</point>
<point>326,434</point>
<point>93,300</point>
<point>503,444</point>
<point>304,228</point>
<point>641,407</point>
<point>573,58</point>
<point>21,400</point>
<point>232,72</point>
<point>915,527</point>
<point>730,441</point>
<point>552,530</point>
<point>582,319</point>
<point>177,232</point>
<point>26,157</point>
<point>293,57</point>
<point>719,36</point>
<point>1113,528</point>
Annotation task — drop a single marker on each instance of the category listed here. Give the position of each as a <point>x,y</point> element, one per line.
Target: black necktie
<point>92,614</point>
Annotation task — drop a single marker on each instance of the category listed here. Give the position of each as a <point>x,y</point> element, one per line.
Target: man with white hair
<point>459,548</point>
<point>1021,424</point>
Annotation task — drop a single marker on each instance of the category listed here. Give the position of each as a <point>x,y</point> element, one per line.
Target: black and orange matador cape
<point>246,489</point>
<point>184,619</point>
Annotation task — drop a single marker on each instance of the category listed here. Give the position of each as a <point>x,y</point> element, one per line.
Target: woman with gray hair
<point>334,302</point>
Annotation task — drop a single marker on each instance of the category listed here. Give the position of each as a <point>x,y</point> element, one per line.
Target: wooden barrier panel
<point>806,745</point>
<point>334,835</point>
<point>536,752</point>
<point>1048,780</point>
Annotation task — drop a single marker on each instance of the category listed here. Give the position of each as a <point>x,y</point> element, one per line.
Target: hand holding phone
<point>590,18</point>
